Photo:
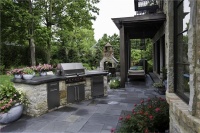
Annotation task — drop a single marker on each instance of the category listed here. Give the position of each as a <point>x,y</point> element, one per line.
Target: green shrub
<point>150,66</point>
<point>151,115</point>
<point>114,83</point>
<point>5,79</point>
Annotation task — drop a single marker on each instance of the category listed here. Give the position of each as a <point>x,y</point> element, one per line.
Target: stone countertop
<point>52,78</point>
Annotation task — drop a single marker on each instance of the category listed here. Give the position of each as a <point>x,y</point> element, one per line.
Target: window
<point>181,64</point>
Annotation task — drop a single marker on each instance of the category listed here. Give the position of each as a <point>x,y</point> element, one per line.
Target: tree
<point>64,16</point>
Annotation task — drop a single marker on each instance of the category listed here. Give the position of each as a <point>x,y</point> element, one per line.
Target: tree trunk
<point>49,24</point>
<point>31,39</point>
<point>48,51</point>
<point>32,49</point>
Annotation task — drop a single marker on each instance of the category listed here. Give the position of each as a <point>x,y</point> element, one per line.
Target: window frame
<point>176,46</point>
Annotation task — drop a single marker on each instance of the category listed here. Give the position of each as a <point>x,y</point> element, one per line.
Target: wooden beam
<point>122,57</point>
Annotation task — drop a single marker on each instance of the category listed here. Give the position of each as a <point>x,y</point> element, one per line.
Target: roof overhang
<point>141,26</point>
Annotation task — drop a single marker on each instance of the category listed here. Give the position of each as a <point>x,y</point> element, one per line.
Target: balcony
<point>148,6</point>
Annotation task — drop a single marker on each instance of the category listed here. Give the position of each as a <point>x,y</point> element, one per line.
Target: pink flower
<point>135,105</point>
<point>146,113</point>
<point>120,118</point>
<point>157,109</point>
<point>151,117</point>
<point>141,112</point>
<point>149,99</point>
<point>133,111</point>
<point>142,101</point>
<point>146,131</point>
<point>128,117</point>
<point>112,130</point>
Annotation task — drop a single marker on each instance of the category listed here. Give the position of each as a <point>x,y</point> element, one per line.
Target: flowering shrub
<point>44,67</point>
<point>149,116</point>
<point>15,71</point>
<point>9,96</point>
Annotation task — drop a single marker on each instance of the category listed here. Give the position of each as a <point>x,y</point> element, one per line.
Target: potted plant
<point>160,87</point>
<point>17,72</point>
<point>11,103</point>
<point>28,73</point>
<point>43,68</point>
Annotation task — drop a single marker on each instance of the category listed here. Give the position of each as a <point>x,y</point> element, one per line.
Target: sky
<point>111,9</point>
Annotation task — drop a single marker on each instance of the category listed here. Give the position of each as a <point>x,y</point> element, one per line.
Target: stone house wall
<point>184,118</point>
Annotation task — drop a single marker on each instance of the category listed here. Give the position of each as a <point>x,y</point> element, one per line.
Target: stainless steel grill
<point>74,72</point>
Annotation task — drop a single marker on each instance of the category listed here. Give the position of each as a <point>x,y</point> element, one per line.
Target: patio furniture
<point>139,71</point>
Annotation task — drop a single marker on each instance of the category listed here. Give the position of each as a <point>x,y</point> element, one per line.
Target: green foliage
<point>114,83</point>
<point>158,85</point>
<point>4,79</point>
<point>151,115</point>
<point>2,69</point>
<point>137,53</point>
<point>72,32</point>
<point>150,65</point>
<point>28,70</point>
<point>9,96</point>
<point>164,73</point>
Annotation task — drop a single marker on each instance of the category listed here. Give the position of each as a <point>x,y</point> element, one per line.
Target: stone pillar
<point>194,57</point>
<point>63,93</point>
<point>105,80</point>
<point>169,38</point>
<point>88,94</point>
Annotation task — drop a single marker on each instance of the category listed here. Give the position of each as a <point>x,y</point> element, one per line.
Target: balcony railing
<point>148,6</point>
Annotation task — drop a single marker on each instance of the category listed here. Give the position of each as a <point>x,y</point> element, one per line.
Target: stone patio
<point>98,115</point>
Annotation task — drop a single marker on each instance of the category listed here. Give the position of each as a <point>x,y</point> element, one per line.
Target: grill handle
<point>75,93</point>
<point>78,92</point>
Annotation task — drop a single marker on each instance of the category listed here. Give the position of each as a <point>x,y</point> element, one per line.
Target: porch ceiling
<point>141,26</point>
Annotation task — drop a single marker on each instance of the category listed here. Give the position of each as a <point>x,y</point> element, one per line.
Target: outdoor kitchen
<point>70,84</point>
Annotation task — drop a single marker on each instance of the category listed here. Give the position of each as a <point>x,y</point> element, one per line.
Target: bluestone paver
<point>98,115</point>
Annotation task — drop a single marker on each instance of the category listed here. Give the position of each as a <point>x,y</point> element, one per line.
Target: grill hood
<point>67,69</point>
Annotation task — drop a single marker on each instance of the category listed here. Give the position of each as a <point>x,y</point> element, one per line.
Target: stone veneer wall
<point>181,120</point>
<point>88,94</point>
<point>37,96</point>
<point>105,85</point>
<point>185,118</point>
<point>63,93</point>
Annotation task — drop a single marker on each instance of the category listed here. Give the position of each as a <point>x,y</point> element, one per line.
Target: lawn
<point>5,78</point>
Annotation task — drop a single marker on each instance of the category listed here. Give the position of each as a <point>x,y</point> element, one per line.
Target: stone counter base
<point>181,121</point>
<point>37,95</point>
